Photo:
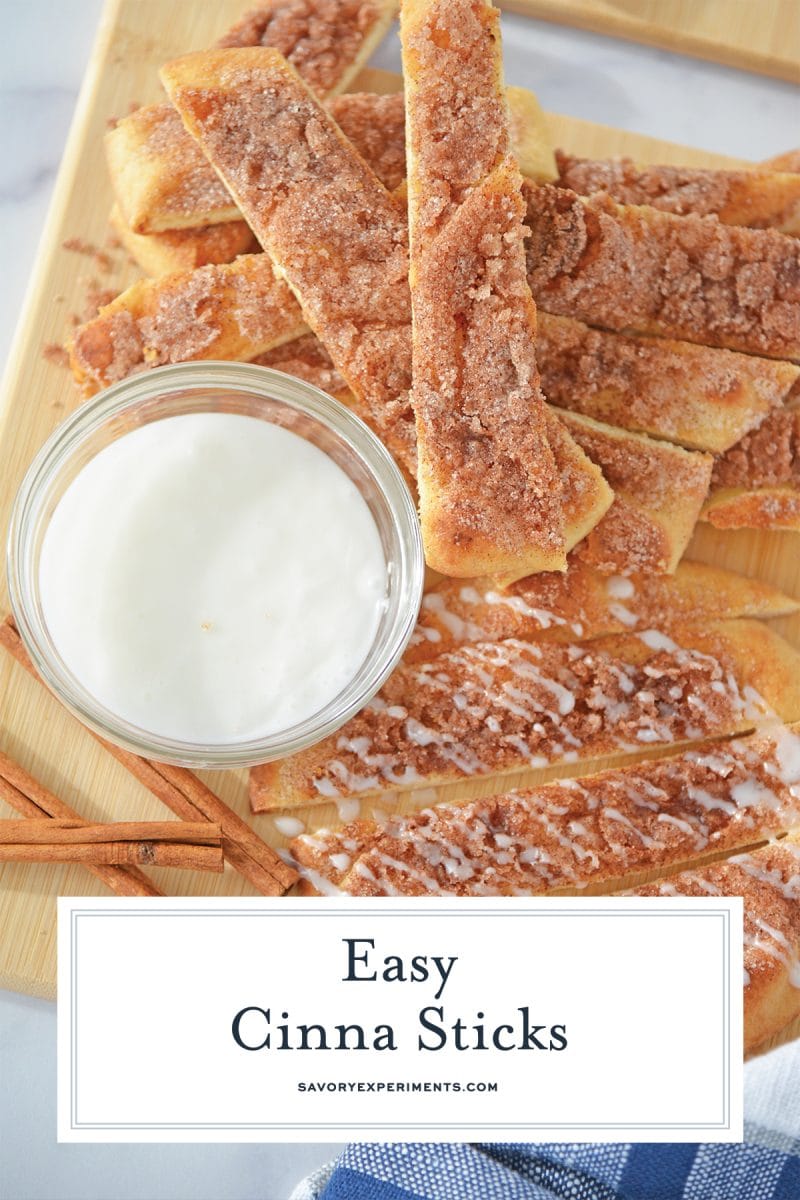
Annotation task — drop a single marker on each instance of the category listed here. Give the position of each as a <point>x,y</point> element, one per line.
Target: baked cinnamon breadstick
<point>489,489</point>
<point>768,880</point>
<point>582,603</point>
<point>754,508</point>
<point>698,396</point>
<point>633,268</point>
<point>336,235</point>
<point>160,179</point>
<point>788,161</point>
<point>157,168</point>
<point>375,126</point>
<point>766,457</point>
<point>757,197</point>
<point>295,179</point>
<point>184,249</point>
<point>327,41</point>
<point>236,310</point>
<point>600,830</point>
<point>306,358</point>
<point>489,709</point>
<point>585,494</point>
<point>756,484</point>
<point>659,489</point>
<point>161,176</point>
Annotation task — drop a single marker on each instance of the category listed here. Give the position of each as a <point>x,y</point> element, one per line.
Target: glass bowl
<point>231,388</point>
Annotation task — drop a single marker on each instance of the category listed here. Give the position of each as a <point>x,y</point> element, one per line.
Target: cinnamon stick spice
<point>22,792</point>
<point>189,798</point>
<point>58,832</point>
<point>192,846</point>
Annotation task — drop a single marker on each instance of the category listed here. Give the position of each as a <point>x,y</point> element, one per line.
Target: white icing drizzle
<point>620,587</point>
<point>542,616</point>
<point>324,886</point>
<point>615,815</point>
<point>461,630</point>
<point>655,640</point>
<point>623,614</point>
<point>537,687</point>
<point>289,826</point>
<point>685,827</point>
<point>326,788</point>
<point>788,888</point>
<point>706,800</point>
<point>787,754</point>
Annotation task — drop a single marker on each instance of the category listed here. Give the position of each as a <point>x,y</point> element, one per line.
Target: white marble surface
<point>42,56</point>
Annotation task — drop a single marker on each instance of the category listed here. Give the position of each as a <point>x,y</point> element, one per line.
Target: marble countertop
<point>42,58</point>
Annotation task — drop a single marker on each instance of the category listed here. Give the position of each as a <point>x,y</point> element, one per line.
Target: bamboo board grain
<point>134,38</point>
<point>757,35</point>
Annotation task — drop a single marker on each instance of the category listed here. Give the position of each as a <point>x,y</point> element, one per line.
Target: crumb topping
<point>688,277</point>
<point>54,353</point>
<point>100,257</point>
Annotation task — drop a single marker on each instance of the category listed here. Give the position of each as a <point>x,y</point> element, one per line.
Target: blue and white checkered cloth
<point>765,1167</point>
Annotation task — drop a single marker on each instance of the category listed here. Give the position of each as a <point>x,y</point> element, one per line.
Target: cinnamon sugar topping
<point>769,881</point>
<point>757,198</point>
<point>634,268</point>
<point>320,38</point>
<point>375,125</point>
<point>768,456</point>
<point>214,311</point>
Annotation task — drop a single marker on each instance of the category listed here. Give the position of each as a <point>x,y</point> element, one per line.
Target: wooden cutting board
<point>758,35</point>
<point>135,37</point>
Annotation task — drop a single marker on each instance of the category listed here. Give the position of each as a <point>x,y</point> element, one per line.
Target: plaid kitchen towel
<point>609,1171</point>
<point>765,1167</point>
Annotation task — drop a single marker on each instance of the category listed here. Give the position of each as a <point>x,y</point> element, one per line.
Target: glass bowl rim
<point>166,383</point>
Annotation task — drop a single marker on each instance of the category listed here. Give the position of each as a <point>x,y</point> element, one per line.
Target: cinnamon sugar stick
<point>24,793</point>
<point>190,799</point>
<point>193,846</point>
